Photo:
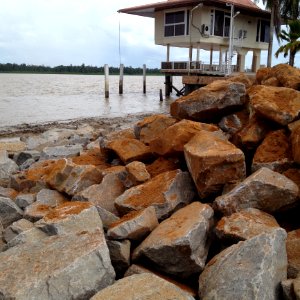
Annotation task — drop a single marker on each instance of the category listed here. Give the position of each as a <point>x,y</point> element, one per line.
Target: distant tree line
<point>83,69</point>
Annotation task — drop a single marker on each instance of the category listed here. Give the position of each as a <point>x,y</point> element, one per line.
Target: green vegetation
<point>83,69</point>
<point>292,39</point>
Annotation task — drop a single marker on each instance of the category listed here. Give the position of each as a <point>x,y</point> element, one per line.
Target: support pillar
<point>168,85</point>
<point>211,59</point>
<point>256,60</point>
<point>190,56</point>
<point>168,52</point>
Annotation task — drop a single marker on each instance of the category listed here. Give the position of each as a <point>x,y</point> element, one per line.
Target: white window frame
<point>213,20</point>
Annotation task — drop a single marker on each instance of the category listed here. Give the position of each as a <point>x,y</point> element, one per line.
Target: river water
<point>41,98</point>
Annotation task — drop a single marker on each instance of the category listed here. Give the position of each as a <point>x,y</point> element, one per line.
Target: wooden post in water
<point>144,79</point>
<point>121,79</point>
<point>106,75</point>
<point>160,95</point>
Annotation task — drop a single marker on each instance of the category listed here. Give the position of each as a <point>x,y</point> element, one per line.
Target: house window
<point>263,31</point>
<point>176,23</point>
<point>220,23</point>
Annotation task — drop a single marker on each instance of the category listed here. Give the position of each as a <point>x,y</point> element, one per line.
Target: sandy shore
<point>105,124</point>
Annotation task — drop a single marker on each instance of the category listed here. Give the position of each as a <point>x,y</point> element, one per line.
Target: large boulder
<point>142,287</point>
<point>287,76</point>
<point>213,162</point>
<point>162,165</point>
<point>252,269</point>
<point>73,266</point>
<point>12,145</point>
<point>179,245</point>
<point>273,153</point>
<point>245,224</point>
<point>210,102</point>
<point>265,190</point>
<point>149,128</point>
<point>278,104</point>
<point>172,140</point>
<point>16,228</point>
<point>165,192</point>
<point>70,217</point>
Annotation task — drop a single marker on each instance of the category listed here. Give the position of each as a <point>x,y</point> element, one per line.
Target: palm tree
<point>293,41</point>
<point>286,9</point>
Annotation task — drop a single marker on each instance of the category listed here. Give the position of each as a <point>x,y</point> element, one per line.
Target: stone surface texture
<point>179,245</point>
<point>9,212</point>
<point>213,162</point>
<point>172,140</point>
<point>165,192</point>
<point>252,269</point>
<point>273,153</point>
<point>135,225</point>
<point>149,128</point>
<point>70,217</point>
<point>278,104</point>
<point>142,287</point>
<point>245,224</point>
<point>293,253</point>
<point>103,194</point>
<point>265,189</point>
<point>74,266</point>
<point>210,102</point>
<point>16,228</point>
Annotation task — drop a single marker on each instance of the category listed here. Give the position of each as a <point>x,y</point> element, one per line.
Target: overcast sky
<point>55,32</point>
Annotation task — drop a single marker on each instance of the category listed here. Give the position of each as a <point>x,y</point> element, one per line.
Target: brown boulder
<point>71,179</point>
<point>241,78</point>
<point>149,128</point>
<point>129,150</point>
<point>172,140</point>
<point>245,224</point>
<point>294,175</point>
<point>165,192</point>
<point>279,104</point>
<point>273,153</point>
<point>179,245</point>
<point>210,102</point>
<point>287,76</point>
<point>272,81</point>
<point>136,173</point>
<point>265,189</point>
<point>213,162</point>
<point>263,74</point>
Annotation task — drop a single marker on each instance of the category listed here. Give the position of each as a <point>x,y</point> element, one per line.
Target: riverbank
<point>105,124</point>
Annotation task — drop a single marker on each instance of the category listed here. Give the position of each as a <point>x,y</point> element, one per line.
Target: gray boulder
<point>9,212</point>
<point>61,151</point>
<point>24,200</point>
<point>252,269</point>
<point>7,167</point>
<point>179,245</point>
<point>135,225</point>
<point>265,189</point>
<point>73,266</point>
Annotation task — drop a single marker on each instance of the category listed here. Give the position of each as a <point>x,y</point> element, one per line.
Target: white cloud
<point>53,32</point>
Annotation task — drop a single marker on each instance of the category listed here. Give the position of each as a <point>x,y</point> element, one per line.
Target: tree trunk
<point>270,48</point>
<point>292,58</point>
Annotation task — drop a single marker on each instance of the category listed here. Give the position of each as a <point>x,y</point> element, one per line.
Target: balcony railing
<point>195,67</point>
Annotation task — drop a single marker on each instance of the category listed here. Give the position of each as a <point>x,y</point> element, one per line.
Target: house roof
<point>148,10</point>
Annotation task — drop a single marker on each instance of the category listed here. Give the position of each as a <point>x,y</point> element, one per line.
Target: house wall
<point>203,16</point>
